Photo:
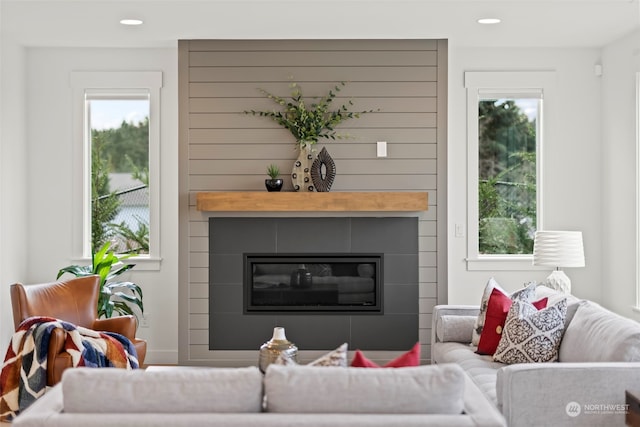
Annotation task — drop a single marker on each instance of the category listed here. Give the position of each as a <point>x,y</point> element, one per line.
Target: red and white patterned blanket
<point>23,378</point>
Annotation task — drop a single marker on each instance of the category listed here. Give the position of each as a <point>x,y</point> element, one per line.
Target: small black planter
<point>273,184</point>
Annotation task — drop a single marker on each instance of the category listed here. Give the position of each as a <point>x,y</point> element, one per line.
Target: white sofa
<point>599,358</point>
<point>285,396</point>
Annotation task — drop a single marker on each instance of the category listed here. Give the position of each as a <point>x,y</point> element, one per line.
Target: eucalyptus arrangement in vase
<point>308,121</point>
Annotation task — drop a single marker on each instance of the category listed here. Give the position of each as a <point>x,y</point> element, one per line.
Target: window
<point>119,170</point>
<point>507,143</point>
<point>118,149</point>
<point>505,123</point>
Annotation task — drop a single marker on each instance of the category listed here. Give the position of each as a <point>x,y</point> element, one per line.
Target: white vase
<point>301,173</point>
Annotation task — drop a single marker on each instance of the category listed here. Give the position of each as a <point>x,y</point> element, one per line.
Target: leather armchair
<point>74,301</point>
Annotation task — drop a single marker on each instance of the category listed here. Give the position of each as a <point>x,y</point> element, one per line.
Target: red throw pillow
<point>497,310</point>
<point>410,358</point>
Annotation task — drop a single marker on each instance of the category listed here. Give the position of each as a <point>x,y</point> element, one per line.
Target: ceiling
<point>525,23</point>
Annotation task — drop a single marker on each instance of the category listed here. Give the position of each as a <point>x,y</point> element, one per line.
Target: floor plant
<point>116,297</point>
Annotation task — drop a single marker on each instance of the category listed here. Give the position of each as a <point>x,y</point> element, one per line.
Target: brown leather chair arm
<point>141,349</point>
<point>123,325</point>
<point>56,343</point>
<point>57,359</point>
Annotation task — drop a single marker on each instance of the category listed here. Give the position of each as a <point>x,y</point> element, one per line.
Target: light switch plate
<point>382,148</point>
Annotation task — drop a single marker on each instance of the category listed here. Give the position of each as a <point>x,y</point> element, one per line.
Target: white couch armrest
<point>449,310</point>
<point>536,394</point>
<point>44,407</point>
<point>478,407</point>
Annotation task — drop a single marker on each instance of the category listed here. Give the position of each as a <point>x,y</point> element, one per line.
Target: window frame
<point>482,85</point>
<point>107,83</point>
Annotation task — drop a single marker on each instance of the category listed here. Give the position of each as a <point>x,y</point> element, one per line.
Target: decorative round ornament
<point>323,171</point>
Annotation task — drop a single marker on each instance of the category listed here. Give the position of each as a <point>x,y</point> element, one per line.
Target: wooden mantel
<point>337,201</point>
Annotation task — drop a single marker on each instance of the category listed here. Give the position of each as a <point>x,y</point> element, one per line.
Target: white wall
<point>580,191</point>
<point>14,178</point>
<point>571,160</point>
<point>50,167</point>
<point>621,61</point>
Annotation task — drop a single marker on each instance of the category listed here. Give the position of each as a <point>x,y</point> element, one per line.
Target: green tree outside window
<point>507,178</point>
<point>119,150</point>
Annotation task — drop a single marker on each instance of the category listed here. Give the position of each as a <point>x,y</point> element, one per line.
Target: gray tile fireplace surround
<point>395,328</point>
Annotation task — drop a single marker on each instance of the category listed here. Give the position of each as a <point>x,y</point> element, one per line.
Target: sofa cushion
<point>484,301</point>
<point>598,335</point>
<point>496,316</point>
<point>481,369</point>
<point>416,390</point>
<point>175,390</point>
<point>527,293</point>
<point>531,335</point>
<point>410,358</point>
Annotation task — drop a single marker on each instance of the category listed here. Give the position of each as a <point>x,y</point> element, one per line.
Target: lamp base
<point>559,281</point>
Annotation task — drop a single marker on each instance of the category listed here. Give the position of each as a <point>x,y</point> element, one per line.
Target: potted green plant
<point>273,183</point>
<point>308,122</point>
<point>115,297</point>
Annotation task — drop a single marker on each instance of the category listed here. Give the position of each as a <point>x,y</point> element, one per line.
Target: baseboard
<point>161,357</point>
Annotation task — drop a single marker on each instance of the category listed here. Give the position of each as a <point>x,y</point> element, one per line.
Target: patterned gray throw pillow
<point>530,335</point>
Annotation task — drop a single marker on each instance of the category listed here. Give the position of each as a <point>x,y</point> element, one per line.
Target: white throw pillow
<point>531,335</point>
<point>337,357</point>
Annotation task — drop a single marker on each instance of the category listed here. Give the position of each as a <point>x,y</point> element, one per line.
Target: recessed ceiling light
<point>131,21</point>
<point>489,21</point>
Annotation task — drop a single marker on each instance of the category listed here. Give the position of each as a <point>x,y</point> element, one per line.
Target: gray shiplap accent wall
<point>222,149</point>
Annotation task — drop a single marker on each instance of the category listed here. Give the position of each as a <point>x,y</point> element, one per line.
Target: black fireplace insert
<point>313,282</point>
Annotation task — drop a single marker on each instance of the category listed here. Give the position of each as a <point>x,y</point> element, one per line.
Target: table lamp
<point>558,249</point>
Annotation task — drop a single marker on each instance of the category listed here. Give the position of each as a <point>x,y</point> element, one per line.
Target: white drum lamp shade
<point>558,249</point>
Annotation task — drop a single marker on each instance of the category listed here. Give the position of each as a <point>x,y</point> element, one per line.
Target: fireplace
<point>312,282</point>
<point>324,318</point>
